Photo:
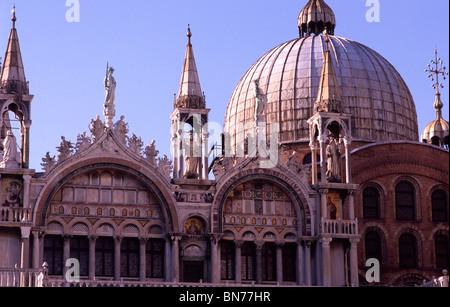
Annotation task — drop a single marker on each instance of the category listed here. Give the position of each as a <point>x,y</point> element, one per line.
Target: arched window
<point>289,262</point>
<point>79,249</point>
<point>104,256</point>
<point>155,258</point>
<point>269,265</point>
<point>439,206</point>
<point>248,261</point>
<point>373,245</point>
<point>405,201</point>
<point>53,254</point>
<point>371,203</point>
<point>129,257</point>
<point>308,159</point>
<point>441,249</point>
<point>227,263</point>
<point>407,246</point>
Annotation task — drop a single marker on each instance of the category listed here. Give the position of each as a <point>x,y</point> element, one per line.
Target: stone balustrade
<point>341,227</point>
<point>58,283</point>
<point>439,282</point>
<point>29,278</point>
<point>10,215</point>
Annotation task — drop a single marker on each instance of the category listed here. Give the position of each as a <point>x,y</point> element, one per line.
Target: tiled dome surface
<point>289,75</point>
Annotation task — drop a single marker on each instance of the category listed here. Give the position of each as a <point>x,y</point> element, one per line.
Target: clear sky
<point>145,41</point>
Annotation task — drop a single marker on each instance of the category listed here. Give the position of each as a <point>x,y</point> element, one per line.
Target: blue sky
<point>145,41</point>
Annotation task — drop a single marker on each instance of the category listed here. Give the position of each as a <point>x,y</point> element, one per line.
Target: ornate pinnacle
<point>434,70</point>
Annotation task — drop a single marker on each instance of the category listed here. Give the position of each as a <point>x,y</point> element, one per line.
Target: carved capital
<point>326,242</point>
<point>306,243</point>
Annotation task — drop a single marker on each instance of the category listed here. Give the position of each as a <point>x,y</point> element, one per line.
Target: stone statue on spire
<point>109,108</point>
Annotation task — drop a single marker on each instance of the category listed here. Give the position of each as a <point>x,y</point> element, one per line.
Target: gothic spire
<point>190,93</point>
<point>12,77</point>
<point>329,95</point>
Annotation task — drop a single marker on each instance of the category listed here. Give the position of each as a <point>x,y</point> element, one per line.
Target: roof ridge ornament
<point>14,18</point>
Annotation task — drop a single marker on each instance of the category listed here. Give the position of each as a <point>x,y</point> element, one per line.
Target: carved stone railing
<point>439,282</point>
<point>60,283</point>
<point>9,215</point>
<point>29,278</point>
<point>341,227</point>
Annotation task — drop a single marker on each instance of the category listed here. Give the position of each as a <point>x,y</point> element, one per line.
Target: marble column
<point>25,247</point>
<point>66,253</point>
<point>323,203</point>
<point>25,154</point>
<point>354,280</point>
<point>314,164</point>
<point>351,205</point>
<point>259,246</point>
<point>205,149</point>
<point>142,259</point>
<point>326,261</point>
<point>348,170</point>
<point>92,241</point>
<point>175,258</point>
<point>323,161</point>
<point>215,259</point>
<point>26,194</point>
<point>308,272</point>
<point>279,261</point>
<point>36,250</point>
<point>238,259</point>
<point>299,265</point>
<point>167,261</point>
<point>117,244</point>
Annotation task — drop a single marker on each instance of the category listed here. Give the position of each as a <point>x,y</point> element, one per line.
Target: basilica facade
<point>320,169</point>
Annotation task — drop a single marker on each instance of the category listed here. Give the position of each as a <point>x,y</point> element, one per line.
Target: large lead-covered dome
<point>372,91</point>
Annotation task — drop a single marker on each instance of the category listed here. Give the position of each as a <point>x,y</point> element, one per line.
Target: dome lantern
<point>437,132</point>
<point>315,17</point>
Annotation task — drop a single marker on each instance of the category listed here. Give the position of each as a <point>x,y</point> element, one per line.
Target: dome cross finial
<point>436,69</point>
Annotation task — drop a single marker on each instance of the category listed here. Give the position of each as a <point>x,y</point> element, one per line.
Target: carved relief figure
<point>65,149</point>
<point>151,153</point>
<point>121,129</point>
<point>96,128</point>
<point>48,163</point>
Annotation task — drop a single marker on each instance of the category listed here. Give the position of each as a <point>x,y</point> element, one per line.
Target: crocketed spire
<point>329,96</point>
<point>190,93</point>
<point>12,77</point>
